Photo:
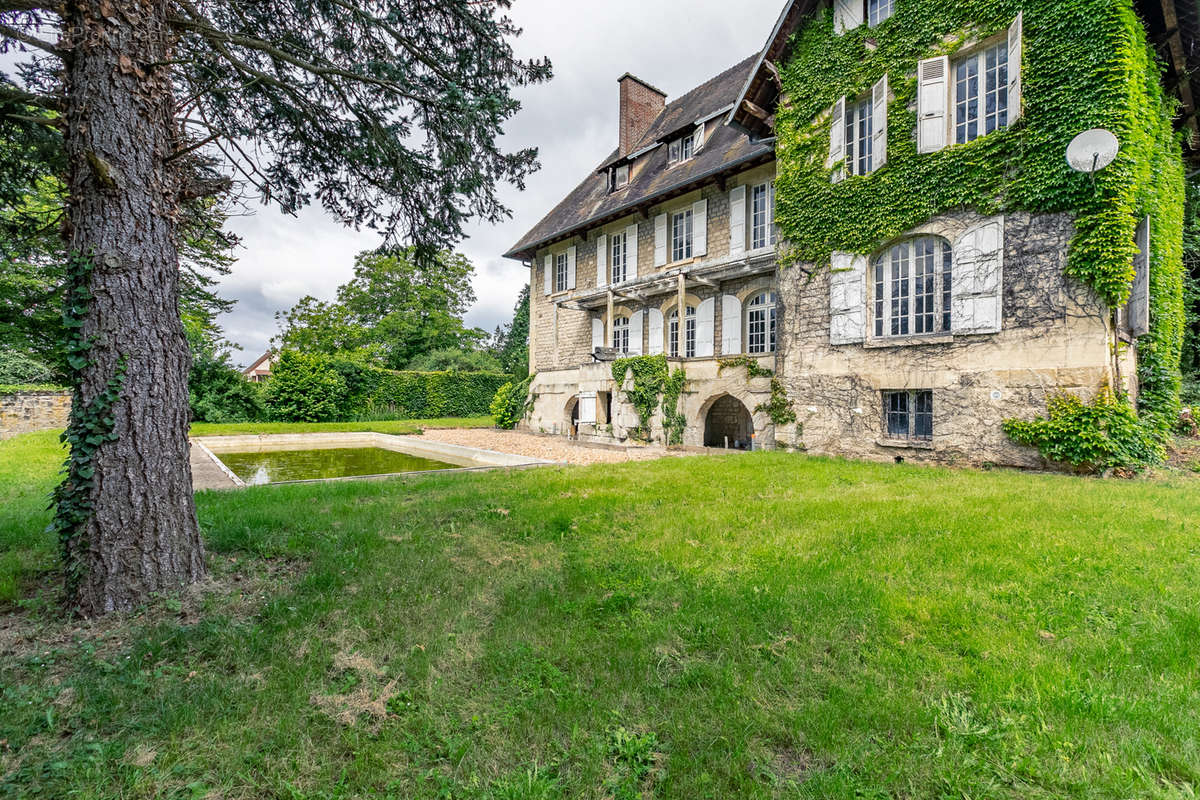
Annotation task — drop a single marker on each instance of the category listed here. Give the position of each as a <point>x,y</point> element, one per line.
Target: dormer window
<point>685,147</point>
<point>618,177</point>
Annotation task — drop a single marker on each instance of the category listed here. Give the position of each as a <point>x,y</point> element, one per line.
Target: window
<point>981,93</point>
<point>878,11</point>
<point>620,334</point>
<point>689,333</point>
<point>913,282</point>
<point>760,323</point>
<point>560,272</point>
<point>681,235</point>
<point>622,175</point>
<point>909,415</point>
<point>619,257</point>
<point>762,210</point>
<point>859,133</point>
<point>681,149</point>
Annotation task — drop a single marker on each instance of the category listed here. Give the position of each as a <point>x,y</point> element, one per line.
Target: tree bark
<point>142,535</point>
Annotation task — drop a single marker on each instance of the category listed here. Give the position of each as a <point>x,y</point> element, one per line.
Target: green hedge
<point>350,390</point>
<point>6,389</point>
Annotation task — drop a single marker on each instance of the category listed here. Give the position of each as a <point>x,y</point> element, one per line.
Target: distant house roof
<point>259,363</point>
<point>591,204</point>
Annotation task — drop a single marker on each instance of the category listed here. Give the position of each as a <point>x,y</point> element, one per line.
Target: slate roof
<point>591,204</point>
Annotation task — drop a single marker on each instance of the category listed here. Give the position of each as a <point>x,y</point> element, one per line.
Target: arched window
<point>620,334</point>
<point>760,323</point>
<point>912,288</point>
<point>689,333</point>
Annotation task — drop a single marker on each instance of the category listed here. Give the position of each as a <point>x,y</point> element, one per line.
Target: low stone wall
<point>26,412</point>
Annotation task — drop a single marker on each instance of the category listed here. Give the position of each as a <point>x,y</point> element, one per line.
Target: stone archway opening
<point>572,416</point>
<point>728,424</point>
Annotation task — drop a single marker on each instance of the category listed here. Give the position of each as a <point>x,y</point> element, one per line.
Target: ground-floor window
<point>760,323</point>
<point>909,415</point>
<point>689,333</point>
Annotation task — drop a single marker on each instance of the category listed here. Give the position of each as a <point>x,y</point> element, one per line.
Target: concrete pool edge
<point>464,459</point>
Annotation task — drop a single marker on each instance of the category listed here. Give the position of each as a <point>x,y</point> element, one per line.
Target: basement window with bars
<point>908,415</point>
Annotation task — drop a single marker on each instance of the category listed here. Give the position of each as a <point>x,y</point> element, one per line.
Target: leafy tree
<point>394,309</point>
<point>17,368</point>
<point>386,111</point>
<point>511,341</point>
<point>217,390</point>
<point>453,360</point>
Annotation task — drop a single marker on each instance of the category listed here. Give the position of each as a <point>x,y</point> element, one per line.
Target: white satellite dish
<point>1092,151</point>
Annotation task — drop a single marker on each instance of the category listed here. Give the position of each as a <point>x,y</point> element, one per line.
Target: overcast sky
<point>572,120</point>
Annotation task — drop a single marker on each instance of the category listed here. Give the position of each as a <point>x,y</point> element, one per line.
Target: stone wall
<point>27,412</point>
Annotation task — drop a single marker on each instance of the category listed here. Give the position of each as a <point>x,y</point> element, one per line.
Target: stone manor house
<point>919,350</point>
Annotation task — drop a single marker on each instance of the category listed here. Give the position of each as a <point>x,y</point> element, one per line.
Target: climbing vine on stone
<point>90,427</point>
<point>654,387</point>
<point>1086,64</point>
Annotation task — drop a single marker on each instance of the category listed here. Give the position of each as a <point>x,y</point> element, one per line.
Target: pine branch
<point>13,94</point>
<point>30,40</point>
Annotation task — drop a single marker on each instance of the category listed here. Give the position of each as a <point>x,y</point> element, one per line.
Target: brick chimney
<point>641,104</point>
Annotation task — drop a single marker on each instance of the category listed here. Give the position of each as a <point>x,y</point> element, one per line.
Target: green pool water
<point>304,465</point>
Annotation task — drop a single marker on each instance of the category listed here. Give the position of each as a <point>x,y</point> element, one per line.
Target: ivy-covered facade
<point>938,272</point>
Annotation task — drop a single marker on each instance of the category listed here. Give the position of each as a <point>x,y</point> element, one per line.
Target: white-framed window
<point>878,11</point>
<point>908,415</point>
<point>760,323</point>
<point>620,334</point>
<point>762,216</point>
<point>681,149</point>
<point>912,288</point>
<point>681,235</point>
<point>980,89</point>
<point>560,272</point>
<point>619,257</point>
<point>689,333</point>
<point>622,175</point>
<point>859,134</point>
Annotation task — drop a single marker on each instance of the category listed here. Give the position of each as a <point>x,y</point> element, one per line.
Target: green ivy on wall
<point>654,386</point>
<point>1086,64</point>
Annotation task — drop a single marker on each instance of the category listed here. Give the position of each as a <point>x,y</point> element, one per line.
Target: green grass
<point>759,626</point>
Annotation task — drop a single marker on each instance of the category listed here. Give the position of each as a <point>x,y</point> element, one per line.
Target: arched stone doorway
<point>572,416</point>
<point>728,423</point>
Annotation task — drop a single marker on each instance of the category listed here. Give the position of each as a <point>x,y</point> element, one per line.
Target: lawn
<point>761,625</point>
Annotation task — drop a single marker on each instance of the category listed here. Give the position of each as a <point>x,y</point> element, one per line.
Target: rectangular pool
<point>278,466</point>
<point>251,460</point>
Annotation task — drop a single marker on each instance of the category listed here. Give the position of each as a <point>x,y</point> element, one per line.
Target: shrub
<point>218,392</point>
<point>511,403</point>
<point>17,368</point>
<point>304,387</point>
<point>1094,437</point>
<point>455,360</point>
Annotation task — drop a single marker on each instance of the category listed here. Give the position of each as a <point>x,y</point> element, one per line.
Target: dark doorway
<point>728,424</point>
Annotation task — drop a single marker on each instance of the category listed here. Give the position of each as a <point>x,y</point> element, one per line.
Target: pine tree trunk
<point>142,535</point>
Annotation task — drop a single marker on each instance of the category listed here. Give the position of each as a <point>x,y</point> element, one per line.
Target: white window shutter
<point>548,273</point>
<point>737,221</point>
<point>598,334</point>
<point>660,240</point>
<point>631,252</point>
<point>933,95</point>
<point>731,325</point>
<point>837,140</point>
<point>847,299</point>
<point>706,327</point>
<point>571,267</point>
<point>1139,299</point>
<point>654,335</point>
<point>1015,39</point>
<point>635,333</point>
<point>587,408</point>
<point>698,139</point>
<point>847,15</point>
<point>601,260</point>
<point>879,122</point>
<point>700,227</point>
<point>977,291</point>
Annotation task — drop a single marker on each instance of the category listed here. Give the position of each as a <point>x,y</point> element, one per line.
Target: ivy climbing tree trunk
<point>126,514</point>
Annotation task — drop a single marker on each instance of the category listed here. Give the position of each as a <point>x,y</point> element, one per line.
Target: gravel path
<point>551,448</point>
